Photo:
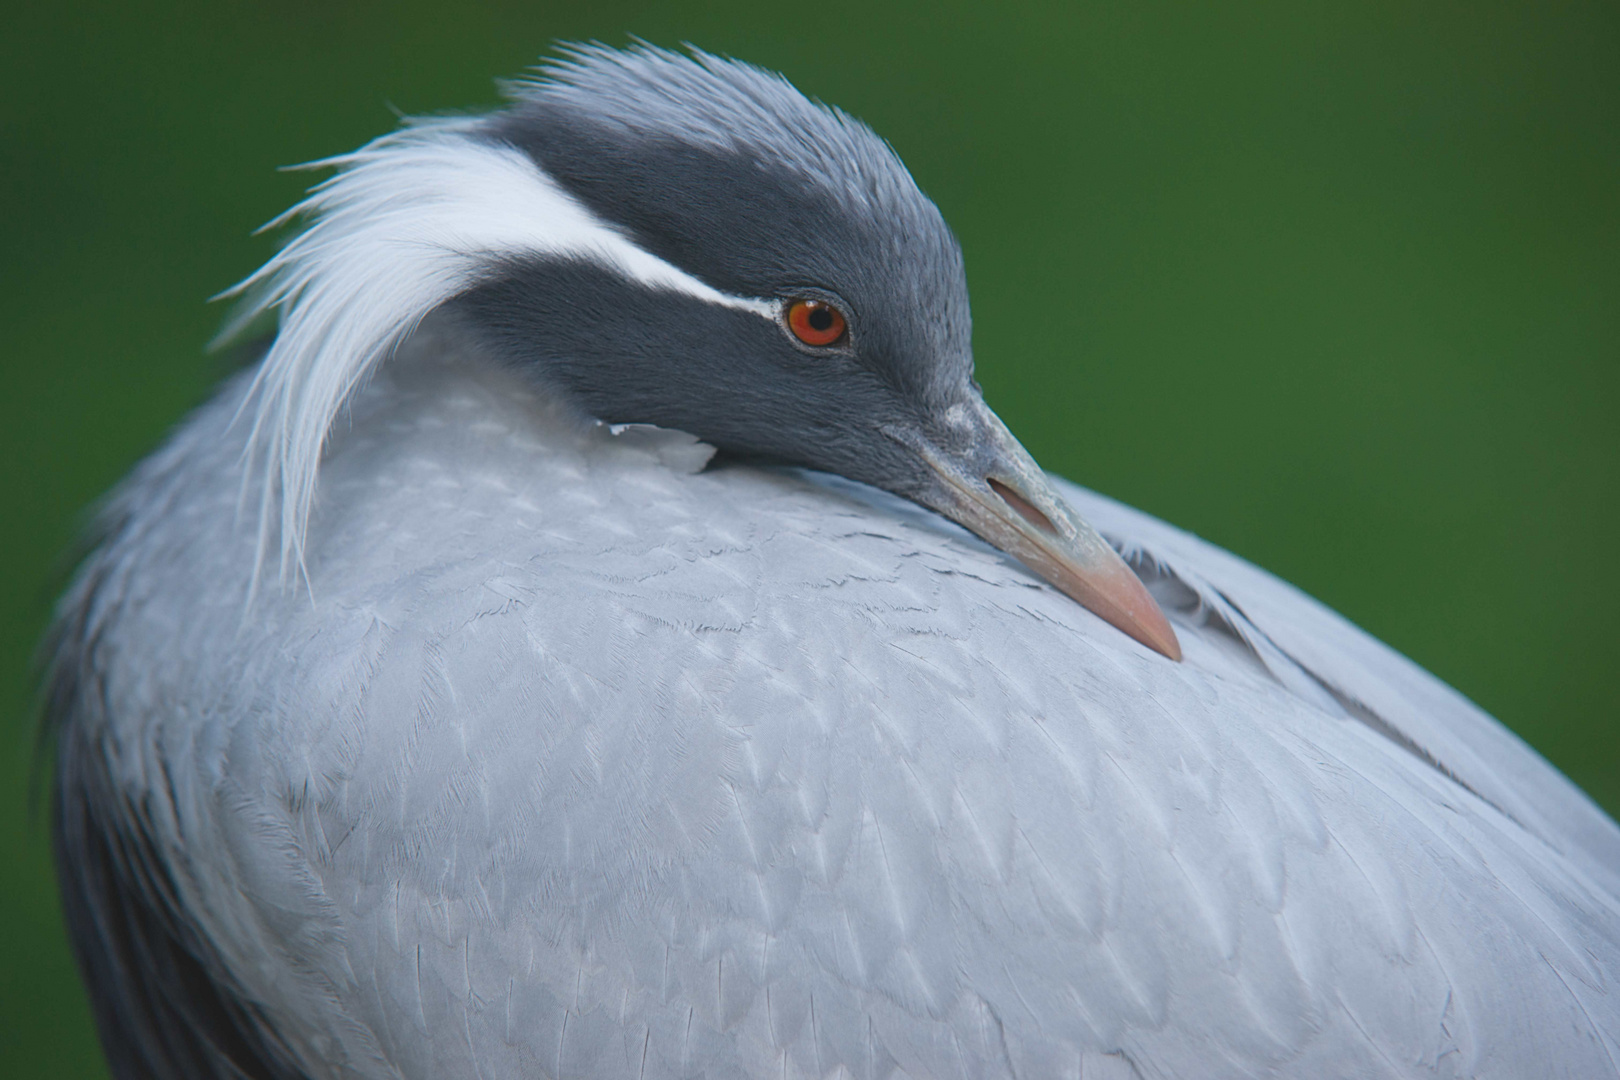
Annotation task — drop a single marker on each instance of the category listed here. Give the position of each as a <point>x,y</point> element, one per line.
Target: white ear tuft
<point>410,221</point>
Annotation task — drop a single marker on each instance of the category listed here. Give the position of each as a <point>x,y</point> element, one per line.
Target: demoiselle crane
<point>435,704</point>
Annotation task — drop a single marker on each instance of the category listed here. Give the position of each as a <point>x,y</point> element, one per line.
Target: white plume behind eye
<point>409,221</point>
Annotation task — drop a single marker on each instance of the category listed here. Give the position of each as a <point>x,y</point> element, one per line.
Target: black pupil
<point>820,319</point>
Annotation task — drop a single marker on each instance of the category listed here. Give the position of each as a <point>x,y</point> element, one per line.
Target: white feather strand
<point>411,220</point>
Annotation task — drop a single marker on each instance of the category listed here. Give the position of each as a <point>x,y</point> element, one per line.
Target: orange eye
<point>816,323</point>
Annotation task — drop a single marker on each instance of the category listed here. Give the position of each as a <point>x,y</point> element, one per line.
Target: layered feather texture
<point>576,758</point>
<point>586,762</point>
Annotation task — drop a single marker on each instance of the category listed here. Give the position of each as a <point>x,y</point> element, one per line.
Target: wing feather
<point>583,764</point>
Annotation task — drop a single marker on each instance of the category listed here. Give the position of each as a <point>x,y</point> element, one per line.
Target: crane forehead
<point>733,176</point>
<point>649,95</point>
<point>747,225</point>
<point>731,214</point>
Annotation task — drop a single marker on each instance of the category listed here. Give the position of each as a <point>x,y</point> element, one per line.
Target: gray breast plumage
<point>575,759</point>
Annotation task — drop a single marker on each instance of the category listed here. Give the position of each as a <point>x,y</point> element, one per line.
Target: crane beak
<point>986,482</point>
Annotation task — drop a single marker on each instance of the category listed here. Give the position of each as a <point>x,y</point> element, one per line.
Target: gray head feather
<point>733,175</point>
<point>727,105</point>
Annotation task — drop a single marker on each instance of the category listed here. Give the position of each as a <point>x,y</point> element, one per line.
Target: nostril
<point>1025,508</point>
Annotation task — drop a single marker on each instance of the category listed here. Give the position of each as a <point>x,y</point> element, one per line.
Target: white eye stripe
<point>409,221</point>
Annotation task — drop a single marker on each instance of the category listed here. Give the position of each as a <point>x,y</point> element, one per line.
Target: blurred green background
<point>1336,286</point>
